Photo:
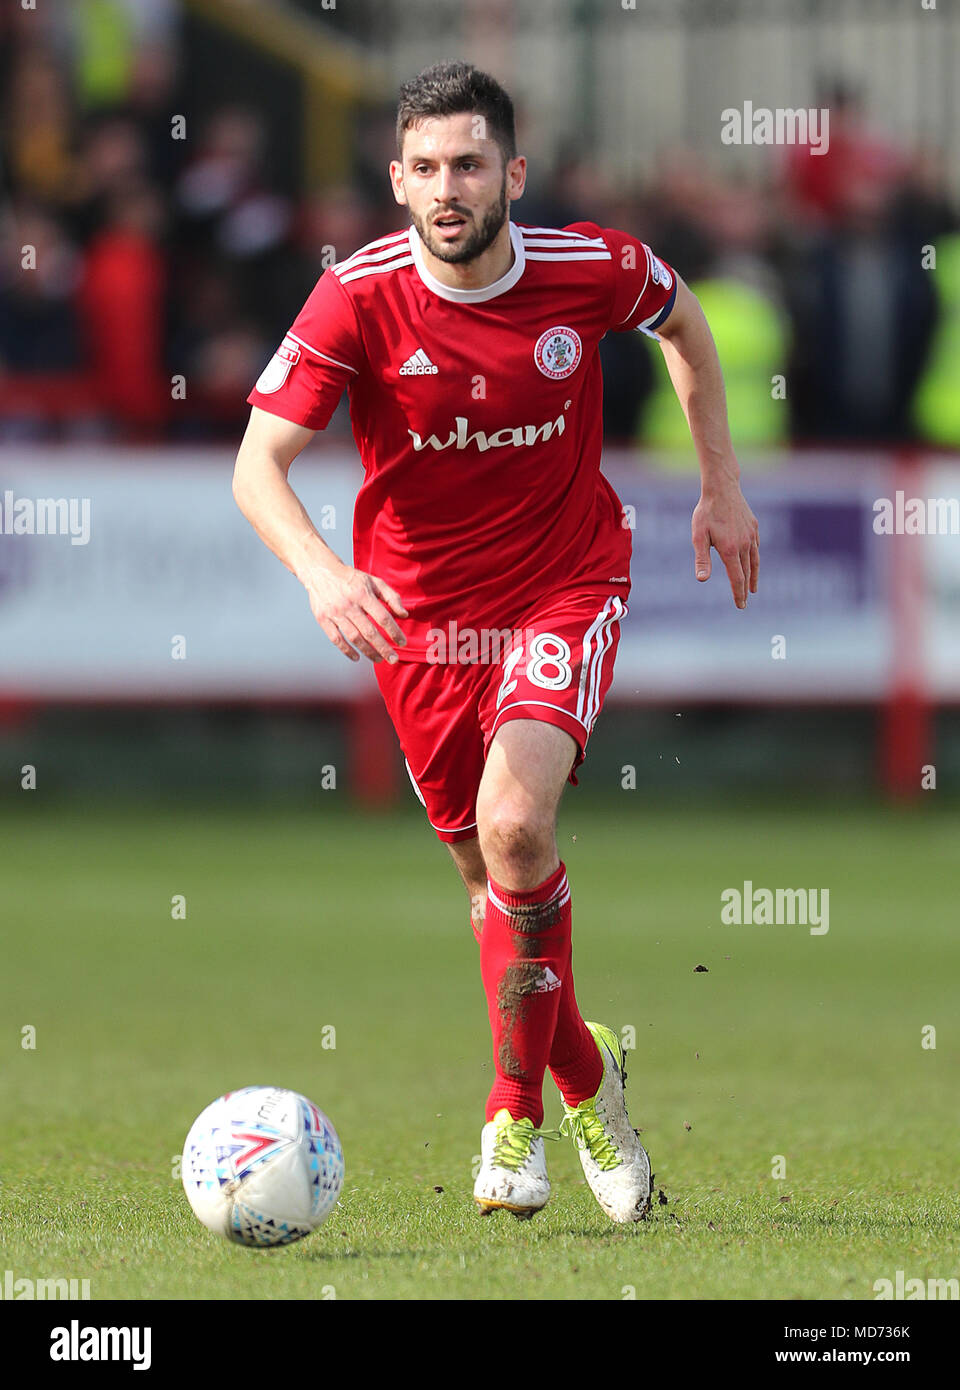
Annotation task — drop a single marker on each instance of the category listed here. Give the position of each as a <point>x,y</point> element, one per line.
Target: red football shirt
<point>477,414</point>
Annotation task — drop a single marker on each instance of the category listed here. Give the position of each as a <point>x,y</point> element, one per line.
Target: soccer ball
<point>262,1166</point>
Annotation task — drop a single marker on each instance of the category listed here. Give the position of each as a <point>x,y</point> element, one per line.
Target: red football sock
<point>524,957</point>
<point>575,1062</point>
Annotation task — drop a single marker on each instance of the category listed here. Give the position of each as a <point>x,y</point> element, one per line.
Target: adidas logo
<point>549,982</point>
<point>419,364</point>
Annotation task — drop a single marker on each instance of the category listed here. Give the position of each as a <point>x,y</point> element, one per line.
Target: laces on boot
<point>586,1129</point>
<point>512,1146</point>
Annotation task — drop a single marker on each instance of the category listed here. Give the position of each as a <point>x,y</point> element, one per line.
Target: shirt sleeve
<point>319,356</point>
<point>645,287</point>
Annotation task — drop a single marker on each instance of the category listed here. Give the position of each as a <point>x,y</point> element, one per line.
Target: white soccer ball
<point>262,1166</point>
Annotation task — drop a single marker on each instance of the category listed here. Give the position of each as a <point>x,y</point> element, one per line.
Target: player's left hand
<point>723,520</point>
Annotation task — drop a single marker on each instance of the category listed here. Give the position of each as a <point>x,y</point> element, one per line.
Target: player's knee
<point>514,835</point>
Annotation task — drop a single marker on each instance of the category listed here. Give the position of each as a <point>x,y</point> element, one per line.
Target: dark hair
<point>447,89</point>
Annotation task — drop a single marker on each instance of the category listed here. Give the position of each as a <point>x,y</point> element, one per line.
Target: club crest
<point>558,352</point>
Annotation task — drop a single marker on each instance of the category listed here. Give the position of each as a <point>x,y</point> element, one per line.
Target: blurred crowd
<point>166,269</point>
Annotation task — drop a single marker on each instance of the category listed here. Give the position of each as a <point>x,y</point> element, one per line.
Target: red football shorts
<point>556,666</point>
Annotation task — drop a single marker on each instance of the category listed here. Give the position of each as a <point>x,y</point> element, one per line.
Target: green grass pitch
<point>788,1044</point>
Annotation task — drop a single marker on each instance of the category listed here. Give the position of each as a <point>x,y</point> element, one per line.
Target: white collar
<point>477,296</point>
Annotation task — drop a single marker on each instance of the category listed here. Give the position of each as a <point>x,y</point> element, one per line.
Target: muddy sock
<point>524,954</point>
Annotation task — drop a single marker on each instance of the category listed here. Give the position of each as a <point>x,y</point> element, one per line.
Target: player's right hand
<point>352,607</point>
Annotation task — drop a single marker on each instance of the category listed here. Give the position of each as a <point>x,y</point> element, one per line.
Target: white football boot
<point>615,1163</point>
<point>513,1172</point>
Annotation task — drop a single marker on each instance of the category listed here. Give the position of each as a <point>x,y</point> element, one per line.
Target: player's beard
<point>476,242</point>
